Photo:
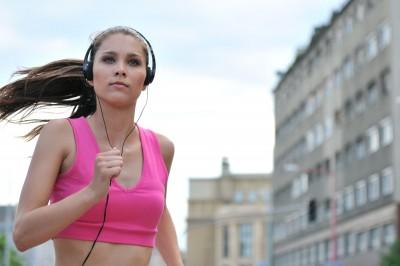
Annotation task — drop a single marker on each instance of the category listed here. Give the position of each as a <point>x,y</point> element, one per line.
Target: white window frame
<point>384,35</point>
<point>373,139</point>
<point>351,243</point>
<point>372,46</point>
<point>375,238</point>
<point>246,236</point>
<point>339,203</point>
<point>361,193</point>
<point>389,236</point>
<point>362,241</point>
<point>387,177</point>
<point>386,127</point>
<point>349,198</point>
<point>360,11</point>
<point>373,187</point>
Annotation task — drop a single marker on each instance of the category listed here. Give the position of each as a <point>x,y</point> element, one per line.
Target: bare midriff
<point>72,252</point>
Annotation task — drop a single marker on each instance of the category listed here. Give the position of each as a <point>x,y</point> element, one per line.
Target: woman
<point>105,176</point>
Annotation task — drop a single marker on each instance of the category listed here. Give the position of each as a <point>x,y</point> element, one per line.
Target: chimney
<point>225,166</point>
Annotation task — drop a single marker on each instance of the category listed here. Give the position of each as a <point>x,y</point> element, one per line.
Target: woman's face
<point>119,69</point>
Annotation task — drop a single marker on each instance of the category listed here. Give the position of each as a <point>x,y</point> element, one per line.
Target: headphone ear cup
<point>149,76</point>
<point>87,70</point>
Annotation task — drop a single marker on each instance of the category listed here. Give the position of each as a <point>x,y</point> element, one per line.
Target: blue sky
<point>216,64</point>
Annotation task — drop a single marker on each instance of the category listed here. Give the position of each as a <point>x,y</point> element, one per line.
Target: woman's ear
<point>90,82</point>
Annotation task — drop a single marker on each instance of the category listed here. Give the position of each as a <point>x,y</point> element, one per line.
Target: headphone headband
<point>87,67</point>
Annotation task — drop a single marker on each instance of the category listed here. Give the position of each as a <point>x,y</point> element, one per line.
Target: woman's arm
<point>36,221</point>
<point>167,242</point>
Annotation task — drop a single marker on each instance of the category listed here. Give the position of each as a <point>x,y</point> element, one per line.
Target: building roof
<point>319,33</point>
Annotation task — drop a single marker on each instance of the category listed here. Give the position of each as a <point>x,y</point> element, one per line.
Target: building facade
<point>227,217</point>
<point>337,152</point>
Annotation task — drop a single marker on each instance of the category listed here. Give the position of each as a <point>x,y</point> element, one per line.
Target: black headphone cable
<point>122,151</point>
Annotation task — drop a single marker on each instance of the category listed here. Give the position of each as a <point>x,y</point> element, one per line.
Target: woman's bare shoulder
<point>167,149</point>
<point>57,133</point>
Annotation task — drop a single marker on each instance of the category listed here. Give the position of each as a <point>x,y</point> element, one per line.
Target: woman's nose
<point>120,69</point>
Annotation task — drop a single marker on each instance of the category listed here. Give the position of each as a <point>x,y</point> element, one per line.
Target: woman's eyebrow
<point>115,53</point>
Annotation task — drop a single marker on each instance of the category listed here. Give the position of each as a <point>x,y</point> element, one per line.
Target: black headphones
<point>87,67</point>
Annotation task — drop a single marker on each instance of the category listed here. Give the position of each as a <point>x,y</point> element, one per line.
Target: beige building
<point>227,219</point>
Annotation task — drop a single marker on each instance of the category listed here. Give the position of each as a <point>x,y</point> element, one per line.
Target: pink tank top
<point>132,213</point>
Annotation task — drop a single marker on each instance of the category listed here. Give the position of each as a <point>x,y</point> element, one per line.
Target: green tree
<point>392,258</point>
<point>15,258</point>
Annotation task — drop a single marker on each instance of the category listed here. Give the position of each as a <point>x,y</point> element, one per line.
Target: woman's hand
<point>107,166</point>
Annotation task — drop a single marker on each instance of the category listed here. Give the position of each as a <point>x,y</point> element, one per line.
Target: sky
<point>212,93</point>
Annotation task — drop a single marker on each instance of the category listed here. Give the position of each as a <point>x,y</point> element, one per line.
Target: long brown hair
<point>58,83</point>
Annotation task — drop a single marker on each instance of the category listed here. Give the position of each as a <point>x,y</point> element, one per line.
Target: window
<point>349,156</point>
<point>360,11</point>
<point>312,211</point>
<point>370,4</point>
<point>360,148</point>
<point>329,85</point>
<point>310,106</point>
<point>328,126</point>
<point>373,187</point>
<point>246,240</point>
<point>299,185</point>
<point>339,203</point>
<point>339,159</point>
<point>362,241</point>
<point>372,92</point>
<point>359,105</point>
<point>338,117</point>
<point>319,134</point>
<point>373,139</point>
<point>350,243</point>
<point>266,195</point>
<point>387,181</point>
<point>348,26</point>
<point>349,198</point>
<point>313,254</point>
<point>319,95</point>
<point>327,208</point>
<point>303,183</point>
<point>328,249</point>
<point>310,140</point>
<point>360,56</point>
<point>389,235</point>
<point>384,35</point>
<point>238,197</point>
<point>361,193</point>
<point>225,240</point>
<point>386,81</point>
<point>349,109</point>
<point>321,252</point>
<point>375,238</point>
<point>372,46</point>
<point>348,67</point>
<point>339,32</point>
<point>386,131</point>
<point>252,196</point>
<point>341,246</point>
<point>338,78</point>
<point>304,256</point>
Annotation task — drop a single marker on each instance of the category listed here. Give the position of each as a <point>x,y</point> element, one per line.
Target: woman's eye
<point>108,60</point>
<point>134,62</point>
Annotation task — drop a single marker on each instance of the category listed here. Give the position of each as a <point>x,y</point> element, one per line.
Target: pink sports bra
<point>132,213</point>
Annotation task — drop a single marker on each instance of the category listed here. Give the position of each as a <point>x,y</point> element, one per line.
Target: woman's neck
<point>115,123</point>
